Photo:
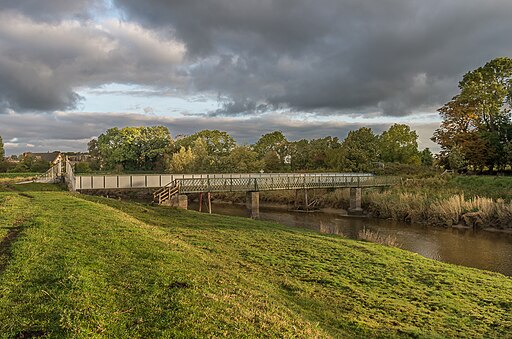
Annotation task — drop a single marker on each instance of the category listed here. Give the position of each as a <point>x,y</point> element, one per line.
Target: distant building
<point>52,157</point>
<point>12,159</point>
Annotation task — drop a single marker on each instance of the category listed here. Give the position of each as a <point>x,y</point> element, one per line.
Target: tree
<point>357,152</point>
<point>218,143</point>
<point>182,161</point>
<point>320,150</point>
<point>273,147</point>
<point>3,163</point>
<point>134,148</point>
<point>400,144</point>
<point>2,150</point>
<point>478,120</point>
<point>456,159</point>
<point>243,160</point>
<point>427,159</point>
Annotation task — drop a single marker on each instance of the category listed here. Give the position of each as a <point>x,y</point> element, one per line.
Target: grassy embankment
<point>82,266</point>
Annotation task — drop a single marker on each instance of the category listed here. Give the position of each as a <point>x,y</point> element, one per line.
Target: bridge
<point>172,189</point>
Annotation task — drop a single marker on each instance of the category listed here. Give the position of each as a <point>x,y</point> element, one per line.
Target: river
<point>480,249</point>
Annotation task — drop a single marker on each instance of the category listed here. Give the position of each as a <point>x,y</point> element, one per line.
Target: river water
<point>480,249</point>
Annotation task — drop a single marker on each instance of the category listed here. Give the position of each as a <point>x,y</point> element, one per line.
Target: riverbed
<point>480,249</point>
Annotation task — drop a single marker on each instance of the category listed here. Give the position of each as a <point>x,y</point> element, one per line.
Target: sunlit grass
<point>86,266</point>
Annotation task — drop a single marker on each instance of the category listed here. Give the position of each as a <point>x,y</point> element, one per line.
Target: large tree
<point>400,144</point>
<point>477,122</point>
<point>134,148</point>
<point>357,153</point>
<point>274,149</point>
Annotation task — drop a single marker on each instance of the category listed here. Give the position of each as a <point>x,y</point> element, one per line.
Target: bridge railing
<point>93,182</point>
<point>52,175</point>
<point>280,182</point>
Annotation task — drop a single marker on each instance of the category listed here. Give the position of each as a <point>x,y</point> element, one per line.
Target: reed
<point>376,237</point>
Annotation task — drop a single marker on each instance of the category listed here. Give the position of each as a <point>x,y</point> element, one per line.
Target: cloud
<point>394,56</point>
<point>54,10</point>
<point>43,64</point>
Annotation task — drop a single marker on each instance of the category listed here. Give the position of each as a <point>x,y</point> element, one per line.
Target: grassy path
<point>85,266</point>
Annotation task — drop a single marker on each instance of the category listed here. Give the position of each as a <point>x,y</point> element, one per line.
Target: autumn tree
<point>477,122</point>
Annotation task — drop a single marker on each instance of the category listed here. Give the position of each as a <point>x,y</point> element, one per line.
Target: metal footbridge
<point>167,186</point>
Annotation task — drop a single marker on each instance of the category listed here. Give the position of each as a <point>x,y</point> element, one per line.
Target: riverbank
<point>471,201</point>
<point>89,266</point>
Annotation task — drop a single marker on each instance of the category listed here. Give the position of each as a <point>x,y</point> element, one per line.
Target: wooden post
<point>209,203</point>
<point>200,201</point>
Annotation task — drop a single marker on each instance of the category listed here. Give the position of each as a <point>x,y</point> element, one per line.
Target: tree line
<point>153,149</point>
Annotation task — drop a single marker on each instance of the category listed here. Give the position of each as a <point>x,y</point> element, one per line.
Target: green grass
<point>484,186</point>
<point>87,266</point>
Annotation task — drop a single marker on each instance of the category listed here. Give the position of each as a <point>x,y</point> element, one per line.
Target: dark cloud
<point>43,64</point>
<point>397,56</point>
<point>325,57</point>
<point>70,131</point>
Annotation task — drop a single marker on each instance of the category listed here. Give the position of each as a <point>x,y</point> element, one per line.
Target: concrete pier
<point>183,201</point>
<point>253,204</point>
<point>179,201</point>
<point>355,201</point>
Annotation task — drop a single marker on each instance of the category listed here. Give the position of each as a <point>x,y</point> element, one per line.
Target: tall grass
<point>376,237</point>
<point>478,212</point>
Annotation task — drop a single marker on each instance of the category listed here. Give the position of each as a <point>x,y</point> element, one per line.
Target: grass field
<point>80,266</point>
<point>15,177</point>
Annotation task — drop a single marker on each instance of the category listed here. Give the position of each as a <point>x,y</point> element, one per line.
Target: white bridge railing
<point>51,176</point>
<point>227,182</point>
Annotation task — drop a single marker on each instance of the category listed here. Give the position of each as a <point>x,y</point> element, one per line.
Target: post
<point>253,204</point>
<point>209,203</point>
<point>200,201</point>
<point>355,200</point>
<point>59,168</point>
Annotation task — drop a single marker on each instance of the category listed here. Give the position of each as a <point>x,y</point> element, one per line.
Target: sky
<point>69,70</point>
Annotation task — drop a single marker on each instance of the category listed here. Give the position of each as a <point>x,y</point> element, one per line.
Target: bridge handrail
<point>212,184</point>
<point>50,176</point>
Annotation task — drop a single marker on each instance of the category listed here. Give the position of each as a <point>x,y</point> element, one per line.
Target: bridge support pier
<point>183,201</point>
<point>355,201</point>
<point>253,204</point>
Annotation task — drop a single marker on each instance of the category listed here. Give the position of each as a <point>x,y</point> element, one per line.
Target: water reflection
<point>484,250</point>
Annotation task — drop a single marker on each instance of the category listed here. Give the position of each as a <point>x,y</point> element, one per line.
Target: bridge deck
<point>191,183</point>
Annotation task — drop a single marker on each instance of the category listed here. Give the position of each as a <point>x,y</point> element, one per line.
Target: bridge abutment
<point>253,204</point>
<point>355,200</point>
